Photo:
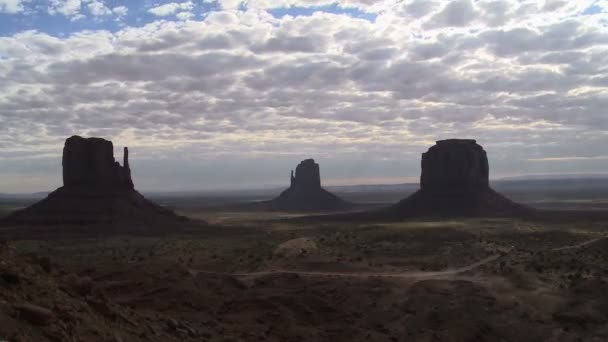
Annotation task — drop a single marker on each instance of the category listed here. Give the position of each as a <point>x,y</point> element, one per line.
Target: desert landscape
<point>267,275</point>
<point>303,171</point>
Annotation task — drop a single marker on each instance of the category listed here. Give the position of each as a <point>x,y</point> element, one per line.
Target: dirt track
<point>579,245</point>
<point>419,275</point>
<point>408,275</point>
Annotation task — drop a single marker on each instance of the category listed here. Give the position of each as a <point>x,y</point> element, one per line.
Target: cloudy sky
<point>226,94</point>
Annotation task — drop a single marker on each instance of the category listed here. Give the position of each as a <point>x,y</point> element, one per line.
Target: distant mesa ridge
<point>96,189</point>
<point>305,192</point>
<point>455,182</point>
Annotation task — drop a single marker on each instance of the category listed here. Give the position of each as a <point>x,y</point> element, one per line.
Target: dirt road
<point>403,275</point>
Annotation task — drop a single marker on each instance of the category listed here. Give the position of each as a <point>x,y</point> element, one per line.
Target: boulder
<point>34,314</point>
<point>296,247</point>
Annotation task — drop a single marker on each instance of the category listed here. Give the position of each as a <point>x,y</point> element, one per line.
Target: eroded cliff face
<point>455,164</point>
<point>305,192</point>
<point>89,162</point>
<point>96,189</point>
<point>455,182</point>
<point>307,175</point>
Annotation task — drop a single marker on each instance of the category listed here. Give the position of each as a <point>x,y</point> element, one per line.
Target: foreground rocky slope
<point>273,282</point>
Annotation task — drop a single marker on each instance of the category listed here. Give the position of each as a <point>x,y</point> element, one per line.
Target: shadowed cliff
<point>455,182</point>
<point>96,189</point>
<point>305,192</point>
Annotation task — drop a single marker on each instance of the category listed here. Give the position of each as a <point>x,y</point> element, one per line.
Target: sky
<point>232,94</point>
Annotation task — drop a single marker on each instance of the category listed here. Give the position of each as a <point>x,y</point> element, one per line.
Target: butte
<point>305,192</point>
<point>96,189</point>
<point>455,182</point>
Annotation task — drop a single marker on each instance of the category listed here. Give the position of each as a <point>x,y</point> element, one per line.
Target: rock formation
<point>96,189</point>
<point>455,164</point>
<point>305,192</point>
<point>90,162</point>
<point>455,182</point>
<point>307,175</point>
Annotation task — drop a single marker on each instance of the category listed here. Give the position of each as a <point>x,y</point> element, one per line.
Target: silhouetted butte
<point>305,192</point>
<point>455,182</point>
<point>96,189</point>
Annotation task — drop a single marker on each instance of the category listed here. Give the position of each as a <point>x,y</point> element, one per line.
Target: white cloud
<point>12,6</point>
<point>67,8</point>
<point>171,8</point>
<point>456,13</point>
<point>566,159</point>
<point>244,87</point>
<point>184,15</point>
<point>368,5</point>
<point>121,11</point>
<point>98,8</point>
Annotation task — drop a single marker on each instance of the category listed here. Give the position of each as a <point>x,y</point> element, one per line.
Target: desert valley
<point>97,261</point>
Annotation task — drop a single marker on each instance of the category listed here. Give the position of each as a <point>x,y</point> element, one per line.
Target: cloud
<point>97,8</point>
<point>68,8</point>
<point>12,6</point>
<point>456,13</point>
<point>565,159</point>
<point>420,8</point>
<point>184,15</point>
<point>121,11</point>
<point>368,5</point>
<point>171,8</point>
<point>245,89</point>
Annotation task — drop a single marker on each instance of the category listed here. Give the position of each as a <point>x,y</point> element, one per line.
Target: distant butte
<point>89,162</point>
<point>305,192</point>
<point>455,182</point>
<point>96,189</point>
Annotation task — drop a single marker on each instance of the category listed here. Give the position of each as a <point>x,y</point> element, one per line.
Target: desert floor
<point>261,277</point>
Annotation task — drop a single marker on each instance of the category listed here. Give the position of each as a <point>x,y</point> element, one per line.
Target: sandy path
<point>401,275</point>
<point>408,274</point>
<point>579,245</point>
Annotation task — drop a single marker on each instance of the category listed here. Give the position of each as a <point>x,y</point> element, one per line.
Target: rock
<point>34,314</point>
<point>82,286</point>
<point>9,275</point>
<point>127,169</point>
<point>192,332</point>
<point>103,307</point>
<point>90,162</point>
<point>579,314</point>
<point>45,263</point>
<point>305,192</point>
<point>455,163</point>
<point>181,329</point>
<point>455,182</point>
<point>173,324</point>
<point>97,189</point>
<point>307,175</point>
<point>296,247</point>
